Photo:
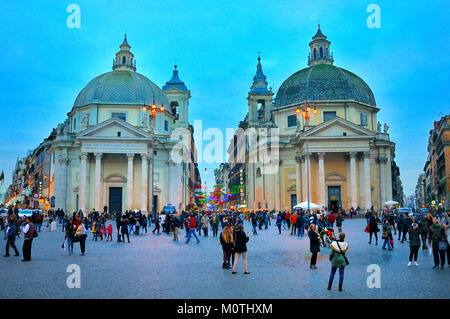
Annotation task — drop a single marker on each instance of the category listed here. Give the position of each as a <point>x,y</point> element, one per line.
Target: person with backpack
<point>192,228</point>
<point>338,260</point>
<point>11,232</point>
<point>278,222</point>
<point>156,222</point>
<point>214,224</point>
<point>28,236</point>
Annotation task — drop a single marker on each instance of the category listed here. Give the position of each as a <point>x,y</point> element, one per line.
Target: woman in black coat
<point>314,244</point>
<point>373,228</point>
<point>240,247</point>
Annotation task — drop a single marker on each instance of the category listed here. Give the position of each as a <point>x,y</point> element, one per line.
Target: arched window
<point>321,52</point>
<point>315,53</point>
<point>123,60</point>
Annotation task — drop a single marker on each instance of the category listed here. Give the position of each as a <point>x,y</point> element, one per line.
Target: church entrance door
<point>115,199</point>
<point>334,198</point>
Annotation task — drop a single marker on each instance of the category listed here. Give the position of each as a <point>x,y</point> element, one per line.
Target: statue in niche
<point>85,121</point>
<point>143,120</point>
<point>378,126</point>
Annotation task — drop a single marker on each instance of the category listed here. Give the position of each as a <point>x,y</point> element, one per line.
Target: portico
<point>110,155</point>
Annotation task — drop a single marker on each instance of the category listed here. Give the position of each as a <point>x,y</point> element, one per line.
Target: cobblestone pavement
<point>153,266</point>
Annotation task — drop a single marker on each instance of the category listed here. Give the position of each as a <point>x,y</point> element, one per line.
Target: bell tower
<point>320,49</point>
<point>178,95</point>
<point>259,99</point>
<point>124,58</point>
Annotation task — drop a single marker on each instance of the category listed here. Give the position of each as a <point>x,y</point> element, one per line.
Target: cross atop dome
<point>124,58</point>
<point>320,49</point>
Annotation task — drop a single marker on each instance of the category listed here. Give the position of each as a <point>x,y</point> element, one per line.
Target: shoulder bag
<point>346,260</point>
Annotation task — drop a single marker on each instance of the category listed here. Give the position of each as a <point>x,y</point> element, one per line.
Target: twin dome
<point>322,81</point>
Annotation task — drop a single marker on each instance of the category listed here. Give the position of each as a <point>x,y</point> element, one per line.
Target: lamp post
<point>306,113</point>
<point>153,110</point>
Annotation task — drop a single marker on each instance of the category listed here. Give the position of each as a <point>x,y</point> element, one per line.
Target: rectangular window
<point>121,116</point>
<point>166,125</point>
<point>74,124</point>
<point>292,120</point>
<point>363,118</point>
<point>329,115</point>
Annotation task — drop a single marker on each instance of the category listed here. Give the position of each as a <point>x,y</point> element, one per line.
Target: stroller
<point>327,236</point>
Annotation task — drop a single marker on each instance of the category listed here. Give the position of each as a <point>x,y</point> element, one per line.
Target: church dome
<point>124,87</point>
<point>322,81</point>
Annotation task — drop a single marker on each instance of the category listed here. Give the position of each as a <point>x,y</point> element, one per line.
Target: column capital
<point>144,156</point>
<point>130,156</point>
<point>299,158</point>
<point>320,155</point>
<point>352,154</point>
<point>83,155</point>
<point>98,154</point>
<point>381,160</point>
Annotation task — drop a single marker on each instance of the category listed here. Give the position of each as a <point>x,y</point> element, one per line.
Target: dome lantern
<point>124,58</point>
<point>320,49</point>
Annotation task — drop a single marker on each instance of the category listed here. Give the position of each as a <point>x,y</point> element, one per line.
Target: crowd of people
<point>318,226</point>
<point>423,231</point>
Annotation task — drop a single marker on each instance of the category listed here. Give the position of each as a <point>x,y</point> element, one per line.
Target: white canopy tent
<point>304,205</point>
<point>390,203</point>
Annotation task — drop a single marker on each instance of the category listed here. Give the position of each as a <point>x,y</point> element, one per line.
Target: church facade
<point>102,153</point>
<point>348,154</point>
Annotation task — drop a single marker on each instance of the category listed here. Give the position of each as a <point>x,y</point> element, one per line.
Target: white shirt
<point>26,228</point>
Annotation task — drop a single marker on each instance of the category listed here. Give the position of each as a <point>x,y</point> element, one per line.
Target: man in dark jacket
<point>436,233</point>
<point>11,232</point>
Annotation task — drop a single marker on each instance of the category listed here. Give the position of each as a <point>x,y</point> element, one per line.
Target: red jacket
<point>192,223</point>
<point>288,217</point>
<point>331,218</point>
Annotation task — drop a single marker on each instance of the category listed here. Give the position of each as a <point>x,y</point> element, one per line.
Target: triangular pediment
<point>339,127</point>
<point>110,128</point>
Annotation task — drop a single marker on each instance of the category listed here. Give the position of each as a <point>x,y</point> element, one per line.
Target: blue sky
<point>215,43</point>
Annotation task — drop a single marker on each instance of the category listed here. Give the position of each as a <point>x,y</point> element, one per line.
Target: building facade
<point>101,155</point>
<point>347,153</point>
<point>436,180</point>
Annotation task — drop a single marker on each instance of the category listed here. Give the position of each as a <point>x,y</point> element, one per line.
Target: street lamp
<point>305,110</point>
<point>153,110</point>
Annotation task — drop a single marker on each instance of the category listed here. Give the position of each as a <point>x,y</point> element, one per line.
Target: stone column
<point>353,190</point>
<point>88,184</point>
<point>388,172</point>
<point>277,187</point>
<point>298,173</point>
<point>130,181</point>
<point>98,190</point>
<point>381,163</point>
<point>367,185</point>
<point>304,186</point>
<point>144,182</point>
<point>83,181</point>
<point>62,161</point>
<point>321,182</point>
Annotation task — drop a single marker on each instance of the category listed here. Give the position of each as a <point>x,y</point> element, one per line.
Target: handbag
<point>442,245</point>
<point>367,228</point>
<point>346,260</point>
<point>384,235</point>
